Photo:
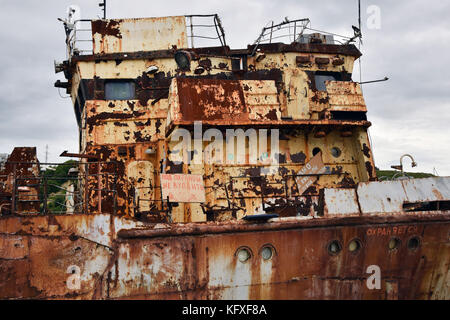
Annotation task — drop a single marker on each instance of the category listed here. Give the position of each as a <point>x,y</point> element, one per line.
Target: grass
<point>390,173</point>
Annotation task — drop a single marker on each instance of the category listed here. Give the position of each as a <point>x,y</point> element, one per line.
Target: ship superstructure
<point>214,173</point>
<point>132,94</point>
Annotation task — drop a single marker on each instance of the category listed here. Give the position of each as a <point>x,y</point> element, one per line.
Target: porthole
<point>334,247</point>
<point>316,151</point>
<point>267,252</point>
<point>243,254</point>
<point>354,246</point>
<point>394,243</point>
<point>336,152</point>
<point>413,243</point>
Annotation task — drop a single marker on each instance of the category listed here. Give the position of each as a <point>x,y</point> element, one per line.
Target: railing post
<point>192,32</point>
<point>44,196</point>
<point>286,189</point>
<point>13,196</point>
<point>271,30</point>
<point>115,192</point>
<point>86,188</point>
<point>99,184</point>
<point>233,200</point>
<point>262,193</point>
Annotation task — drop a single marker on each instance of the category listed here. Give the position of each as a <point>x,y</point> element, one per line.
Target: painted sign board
<point>183,187</point>
<point>314,166</point>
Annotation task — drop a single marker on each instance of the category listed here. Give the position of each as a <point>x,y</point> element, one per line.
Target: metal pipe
<point>385,79</point>
<point>413,164</point>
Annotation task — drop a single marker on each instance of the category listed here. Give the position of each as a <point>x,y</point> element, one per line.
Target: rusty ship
<point>159,205</point>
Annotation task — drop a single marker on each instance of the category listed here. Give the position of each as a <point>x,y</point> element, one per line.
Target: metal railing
<point>287,195</point>
<point>153,205</point>
<point>79,39</point>
<point>202,28</point>
<point>196,21</point>
<point>79,191</point>
<point>292,31</point>
<point>286,29</point>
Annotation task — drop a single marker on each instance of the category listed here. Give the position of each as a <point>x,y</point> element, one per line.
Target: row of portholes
<point>335,247</point>
<point>243,254</point>
<point>335,151</point>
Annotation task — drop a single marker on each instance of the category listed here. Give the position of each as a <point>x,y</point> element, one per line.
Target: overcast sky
<point>409,112</point>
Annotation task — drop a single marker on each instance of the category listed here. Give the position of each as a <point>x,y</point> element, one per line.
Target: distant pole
<point>46,153</point>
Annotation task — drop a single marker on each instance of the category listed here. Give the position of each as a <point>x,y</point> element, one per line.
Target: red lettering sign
<point>183,187</point>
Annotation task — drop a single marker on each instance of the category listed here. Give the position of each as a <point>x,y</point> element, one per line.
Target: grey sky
<point>408,112</point>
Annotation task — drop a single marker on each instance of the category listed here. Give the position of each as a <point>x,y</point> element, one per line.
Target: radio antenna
<point>360,40</point>
<point>359,14</point>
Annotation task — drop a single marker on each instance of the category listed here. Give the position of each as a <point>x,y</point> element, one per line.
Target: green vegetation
<point>56,179</point>
<point>388,174</point>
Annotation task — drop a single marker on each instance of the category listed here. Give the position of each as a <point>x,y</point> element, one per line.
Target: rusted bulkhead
<point>127,35</point>
<point>18,185</point>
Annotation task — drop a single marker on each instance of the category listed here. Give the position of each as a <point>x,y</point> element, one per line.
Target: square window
<point>321,78</point>
<point>119,90</point>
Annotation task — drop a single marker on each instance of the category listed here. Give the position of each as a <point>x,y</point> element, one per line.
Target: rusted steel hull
<point>199,260</point>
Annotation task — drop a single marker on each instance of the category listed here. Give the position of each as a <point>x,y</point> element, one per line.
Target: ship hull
<point>119,260</point>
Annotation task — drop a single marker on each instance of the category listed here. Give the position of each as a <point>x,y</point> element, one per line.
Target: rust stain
<point>106,28</point>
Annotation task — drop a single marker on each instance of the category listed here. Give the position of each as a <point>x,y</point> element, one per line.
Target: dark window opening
<point>354,245</point>
<point>336,152</point>
<point>413,243</point>
<point>334,247</point>
<point>348,115</point>
<point>320,77</point>
<point>239,63</point>
<point>316,151</point>
<point>394,243</point>
<point>120,90</point>
<point>427,206</point>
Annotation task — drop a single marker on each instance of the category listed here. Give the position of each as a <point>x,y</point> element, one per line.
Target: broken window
<point>120,90</point>
<point>321,77</point>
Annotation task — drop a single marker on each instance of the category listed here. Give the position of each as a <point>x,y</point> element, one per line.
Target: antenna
<point>359,14</point>
<point>103,6</point>
<point>435,171</point>
<point>372,81</point>
<point>360,40</point>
